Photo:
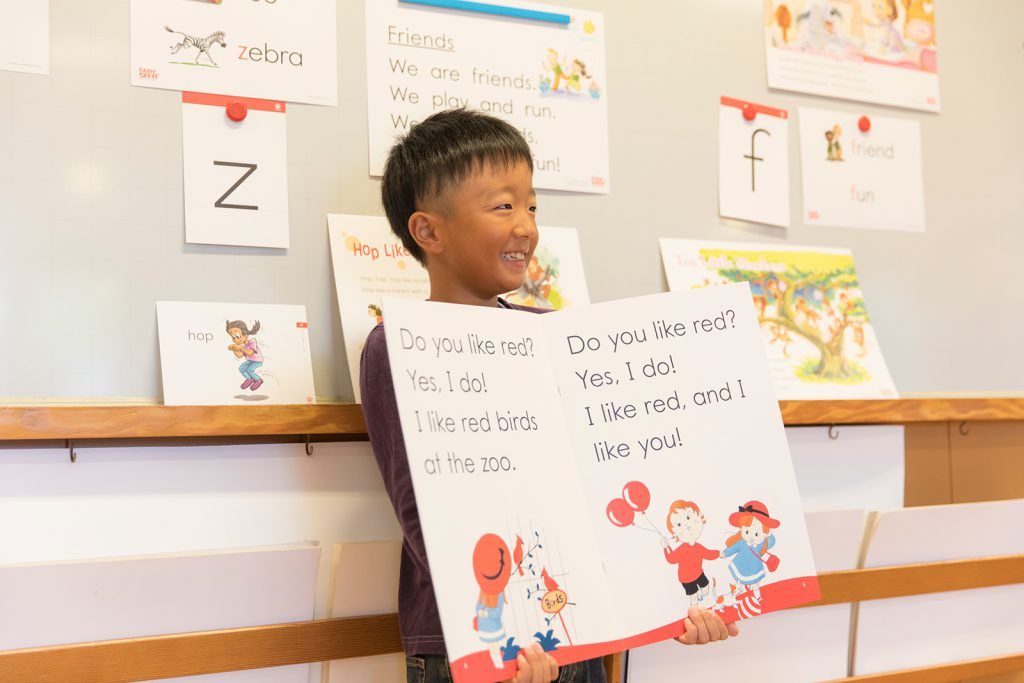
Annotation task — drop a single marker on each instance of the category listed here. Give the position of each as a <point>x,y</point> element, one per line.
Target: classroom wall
<point>92,221</point>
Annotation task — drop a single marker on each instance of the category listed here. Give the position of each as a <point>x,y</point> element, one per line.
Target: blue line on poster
<point>497,10</point>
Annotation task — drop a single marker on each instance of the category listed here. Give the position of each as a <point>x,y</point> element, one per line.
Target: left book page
<point>487,446</point>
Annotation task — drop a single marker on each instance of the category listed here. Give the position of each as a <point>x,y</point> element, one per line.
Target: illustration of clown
<point>749,546</point>
<point>492,568</point>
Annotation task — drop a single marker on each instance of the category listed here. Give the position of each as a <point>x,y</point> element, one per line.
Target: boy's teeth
<point>513,255</point>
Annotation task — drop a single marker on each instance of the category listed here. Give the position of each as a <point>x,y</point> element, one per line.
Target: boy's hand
<point>705,626</point>
<point>535,666</point>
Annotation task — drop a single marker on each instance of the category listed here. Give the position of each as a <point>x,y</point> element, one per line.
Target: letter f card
<point>236,171</point>
<point>753,162</point>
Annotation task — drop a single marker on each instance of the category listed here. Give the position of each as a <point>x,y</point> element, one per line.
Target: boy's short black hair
<point>441,152</point>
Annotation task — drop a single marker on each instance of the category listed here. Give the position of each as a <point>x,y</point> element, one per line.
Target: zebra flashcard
<point>268,49</point>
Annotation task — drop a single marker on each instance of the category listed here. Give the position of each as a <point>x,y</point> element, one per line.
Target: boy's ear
<point>425,229</point>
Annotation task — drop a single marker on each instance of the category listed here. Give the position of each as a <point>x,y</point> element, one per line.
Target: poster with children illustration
<point>579,476</point>
<point>370,263</point>
<point>810,309</point>
<point>861,171</point>
<point>882,51</point>
<point>234,354</point>
<point>554,276</point>
<point>540,67</point>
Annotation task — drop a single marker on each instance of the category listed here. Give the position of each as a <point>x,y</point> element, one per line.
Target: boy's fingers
<point>723,631</point>
<point>734,629</point>
<point>552,667</point>
<point>523,675</point>
<point>690,634</point>
<point>701,624</point>
<point>716,629</point>
<point>538,667</point>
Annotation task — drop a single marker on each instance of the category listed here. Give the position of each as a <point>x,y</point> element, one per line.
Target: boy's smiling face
<point>483,234</point>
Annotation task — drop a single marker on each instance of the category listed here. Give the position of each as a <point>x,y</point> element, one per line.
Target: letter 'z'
<point>220,202</point>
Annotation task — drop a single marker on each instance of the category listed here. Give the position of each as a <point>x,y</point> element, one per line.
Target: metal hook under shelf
<point>964,429</point>
<point>71,451</point>
<point>309,446</point>
<point>833,433</point>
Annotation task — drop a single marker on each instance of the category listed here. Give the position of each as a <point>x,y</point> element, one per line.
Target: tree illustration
<point>820,306</point>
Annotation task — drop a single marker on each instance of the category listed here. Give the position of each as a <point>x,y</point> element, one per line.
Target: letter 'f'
<point>753,157</point>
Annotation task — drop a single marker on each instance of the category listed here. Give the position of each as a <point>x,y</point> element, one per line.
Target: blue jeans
<point>434,669</point>
<point>248,369</point>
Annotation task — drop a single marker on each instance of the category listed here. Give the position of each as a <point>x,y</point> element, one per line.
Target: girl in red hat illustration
<point>748,546</point>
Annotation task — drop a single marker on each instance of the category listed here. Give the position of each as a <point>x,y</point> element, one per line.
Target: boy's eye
<point>533,209</point>
<point>506,207</point>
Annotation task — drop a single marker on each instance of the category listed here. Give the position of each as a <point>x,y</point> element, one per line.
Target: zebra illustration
<point>203,45</point>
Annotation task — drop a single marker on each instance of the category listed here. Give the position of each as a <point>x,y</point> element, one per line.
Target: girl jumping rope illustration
<point>243,345</point>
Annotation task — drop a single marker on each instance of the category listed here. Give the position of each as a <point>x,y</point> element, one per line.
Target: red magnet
<point>237,111</point>
<point>748,112</point>
<point>864,124</point>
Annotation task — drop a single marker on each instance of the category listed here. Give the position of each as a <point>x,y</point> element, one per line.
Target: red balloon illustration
<point>619,513</point>
<point>637,496</point>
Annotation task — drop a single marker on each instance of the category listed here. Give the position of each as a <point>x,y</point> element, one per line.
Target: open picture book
<point>583,477</point>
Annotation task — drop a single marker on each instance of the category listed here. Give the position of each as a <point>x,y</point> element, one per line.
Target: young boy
<point>458,191</point>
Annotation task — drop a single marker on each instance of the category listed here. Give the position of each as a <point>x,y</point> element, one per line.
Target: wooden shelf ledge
<point>257,647</point>
<point>345,421</point>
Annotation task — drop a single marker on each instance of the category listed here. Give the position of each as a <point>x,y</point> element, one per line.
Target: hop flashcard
<point>234,354</point>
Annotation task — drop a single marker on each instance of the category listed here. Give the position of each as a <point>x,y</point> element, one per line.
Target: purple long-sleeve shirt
<point>418,619</point>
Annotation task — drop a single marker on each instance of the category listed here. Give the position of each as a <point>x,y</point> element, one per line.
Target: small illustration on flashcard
<point>234,354</point>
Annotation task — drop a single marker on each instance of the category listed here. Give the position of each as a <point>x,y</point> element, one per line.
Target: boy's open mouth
<point>514,257</point>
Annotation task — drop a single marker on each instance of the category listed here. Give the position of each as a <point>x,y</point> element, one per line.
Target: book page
<point>681,451</point>
<point>510,544</point>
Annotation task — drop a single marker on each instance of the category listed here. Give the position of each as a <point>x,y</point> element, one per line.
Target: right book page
<point>676,431</point>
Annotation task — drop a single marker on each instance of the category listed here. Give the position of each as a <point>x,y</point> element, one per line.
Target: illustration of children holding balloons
<point>746,550</point>
<point>749,546</point>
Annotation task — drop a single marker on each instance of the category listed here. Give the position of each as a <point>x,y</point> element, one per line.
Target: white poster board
<point>26,43</point>
<point>935,534</point>
<point>364,582</point>
<point>540,67</point>
<point>234,354</point>
<point>547,451</point>
<point>822,460</point>
<point>270,50</point>
<point>880,51</point>
<point>810,306</point>
<point>753,162</point>
<point>74,602</point>
<point>858,178</point>
<point>236,171</point>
